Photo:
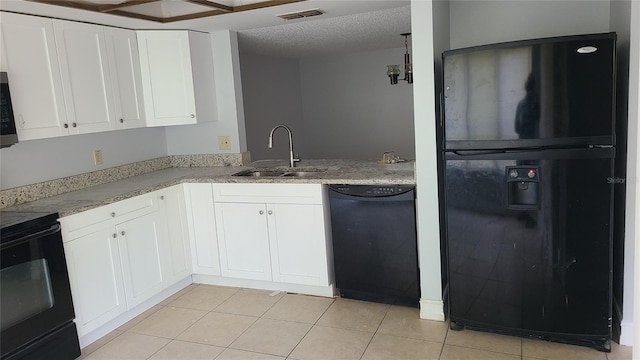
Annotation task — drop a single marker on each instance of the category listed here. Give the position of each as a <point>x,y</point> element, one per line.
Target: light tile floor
<point>222,323</point>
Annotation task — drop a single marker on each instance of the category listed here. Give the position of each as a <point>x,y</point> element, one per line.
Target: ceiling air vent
<point>301,14</point>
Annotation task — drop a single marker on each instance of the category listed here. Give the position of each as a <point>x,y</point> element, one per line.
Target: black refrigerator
<point>527,147</point>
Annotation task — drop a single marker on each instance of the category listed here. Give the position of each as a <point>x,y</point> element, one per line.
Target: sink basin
<point>299,173</point>
<point>259,173</point>
<point>278,172</point>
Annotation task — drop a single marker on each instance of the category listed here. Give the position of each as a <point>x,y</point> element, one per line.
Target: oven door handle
<point>52,230</point>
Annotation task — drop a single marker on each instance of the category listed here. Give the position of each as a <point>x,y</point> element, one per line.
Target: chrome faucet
<point>292,158</point>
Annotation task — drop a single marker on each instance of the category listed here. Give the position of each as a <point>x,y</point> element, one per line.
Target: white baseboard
<point>325,291</point>
<point>626,333</point>
<point>431,309</point>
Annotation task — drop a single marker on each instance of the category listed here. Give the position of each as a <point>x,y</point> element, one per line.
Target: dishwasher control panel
<point>372,190</point>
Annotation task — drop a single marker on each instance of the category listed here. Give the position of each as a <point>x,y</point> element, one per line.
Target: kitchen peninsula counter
<point>331,172</point>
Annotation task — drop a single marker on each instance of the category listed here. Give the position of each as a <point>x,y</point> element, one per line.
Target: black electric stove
<point>36,308</point>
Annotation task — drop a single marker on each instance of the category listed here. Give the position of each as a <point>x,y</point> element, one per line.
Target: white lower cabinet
<point>142,242</point>
<point>282,240</point>
<point>122,254</point>
<point>298,244</point>
<point>172,203</point>
<point>243,238</point>
<point>95,274</point>
<point>202,228</point>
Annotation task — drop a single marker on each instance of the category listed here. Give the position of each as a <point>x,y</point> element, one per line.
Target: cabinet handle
<point>270,212</point>
<point>192,116</point>
<point>121,121</point>
<point>261,212</point>
<point>66,126</point>
<point>115,235</point>
<point>162,197</point>
<point>74,125</point>
<point>122,232</point>
<point>113,214</point>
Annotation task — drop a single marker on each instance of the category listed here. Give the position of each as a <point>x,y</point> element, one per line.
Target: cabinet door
<point>82,52</point>
<point>96,280</point>
<point>243,240</point>
<point>126,80</point>
<point>202,228</point>
<point>178,264</point>
<point>34,76</point>
<point>165,61</point>
<point>204,81</point>
<point>298,244</point>
<point>140,243</point>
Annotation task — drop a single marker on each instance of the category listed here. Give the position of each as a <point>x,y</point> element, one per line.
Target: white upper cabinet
<point>71,78</point>
<point>34,76</point>
<point>171,79</point>
<point>124,63</point>
<point>84,65</point>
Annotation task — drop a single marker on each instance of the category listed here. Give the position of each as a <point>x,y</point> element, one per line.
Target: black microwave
<point>8,135</point>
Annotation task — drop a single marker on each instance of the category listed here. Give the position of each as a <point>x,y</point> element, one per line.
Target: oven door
<point>35,295</point>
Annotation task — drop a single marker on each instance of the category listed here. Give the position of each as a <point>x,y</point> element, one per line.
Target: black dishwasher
<point>374,243</point>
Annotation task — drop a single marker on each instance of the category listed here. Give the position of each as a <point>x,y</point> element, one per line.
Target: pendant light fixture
<point>393,71</point>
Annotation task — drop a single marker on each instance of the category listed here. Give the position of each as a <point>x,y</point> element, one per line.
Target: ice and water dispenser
<point>523,184</point>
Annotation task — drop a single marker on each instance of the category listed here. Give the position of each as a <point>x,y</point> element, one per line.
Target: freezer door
<point>537,93</point>
<point>529,241</point>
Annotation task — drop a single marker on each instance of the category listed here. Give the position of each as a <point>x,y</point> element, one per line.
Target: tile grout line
<point>168,305</point>
<point>312,326</point>
<point>444,341</point>
<point>253,323</point>
<point>375,332</point>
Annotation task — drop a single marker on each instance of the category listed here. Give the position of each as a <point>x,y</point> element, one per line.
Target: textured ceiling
<point>322,36</point>
<point>346,26</point>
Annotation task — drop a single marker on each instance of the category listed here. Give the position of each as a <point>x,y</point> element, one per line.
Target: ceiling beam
<point>111,7</point>
<point>120,8</point>
<point>212,4</point>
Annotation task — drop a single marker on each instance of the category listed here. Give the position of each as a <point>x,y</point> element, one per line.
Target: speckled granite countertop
<point>337,172</point>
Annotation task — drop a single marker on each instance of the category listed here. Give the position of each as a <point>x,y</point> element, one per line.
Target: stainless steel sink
<point>278,172</point>
<point>299,173</point>
<point>259,173</point>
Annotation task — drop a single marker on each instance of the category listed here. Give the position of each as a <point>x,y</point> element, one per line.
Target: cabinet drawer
<point>118,211</point>
<point>268,193</point>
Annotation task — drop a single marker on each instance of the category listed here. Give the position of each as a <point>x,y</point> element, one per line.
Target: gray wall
<point>480,22</point>
<point>351,111</point>
<point>338,106</point>
<point>271,92</point>
<point>34,161</point>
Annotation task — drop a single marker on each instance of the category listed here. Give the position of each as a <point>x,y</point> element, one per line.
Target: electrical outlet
<point>97,157</point>
<point>224,142</point>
